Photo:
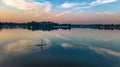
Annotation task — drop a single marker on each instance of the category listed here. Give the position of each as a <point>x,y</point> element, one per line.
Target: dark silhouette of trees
<point>45,25</point>
<point>49,26</point>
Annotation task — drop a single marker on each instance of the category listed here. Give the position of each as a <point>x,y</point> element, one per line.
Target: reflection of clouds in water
<point>47,42</point>
<point>24,46</point>
<point>105,52</point>
<point>99,50</point>
<point>1,58</point>
<point>61,37</point>
<point>66,45</point>
<point>107,39</point>
<point>18,47</point>
<point>75,45</point>
<point>102,51</point>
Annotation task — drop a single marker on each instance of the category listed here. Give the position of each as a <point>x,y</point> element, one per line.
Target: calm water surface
<point>61,48</point>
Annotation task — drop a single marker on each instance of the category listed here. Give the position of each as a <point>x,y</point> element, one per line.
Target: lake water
<point>61,48</point>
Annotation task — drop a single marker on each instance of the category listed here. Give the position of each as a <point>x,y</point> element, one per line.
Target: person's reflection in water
<point>41,44</point>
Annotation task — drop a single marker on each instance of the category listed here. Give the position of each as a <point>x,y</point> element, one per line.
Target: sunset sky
<point>61,11</point>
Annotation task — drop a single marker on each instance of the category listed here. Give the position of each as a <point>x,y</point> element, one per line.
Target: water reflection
<point>62,48</point>
<point>59,28</point>
<point>42,44</point>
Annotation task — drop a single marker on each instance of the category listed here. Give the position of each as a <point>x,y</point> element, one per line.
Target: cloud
<point>106,12</point>
<point>29,5</point>
<point>76,6</point>
<point>73,4</point>
<point>67,5</point>
<point>84,5</point>
<point>99,2</point>
<point>109,12</point>
<point>62,13</point>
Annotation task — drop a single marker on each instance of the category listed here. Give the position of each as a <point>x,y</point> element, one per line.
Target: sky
<point>61,11</point>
